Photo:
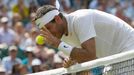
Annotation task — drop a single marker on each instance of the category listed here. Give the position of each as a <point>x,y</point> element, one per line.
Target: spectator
<point>20,30</point>
<point>16,18</point>
<point>129,10</point>
<point>7,35</point>
<point>36,65</point>
<point>32,7</point>
<point>9,3</point>
<point>22,9</point>
<point>96,3</point>
<point>40,53</point>
<point>30,56</point>
<point>66,6</point>
<point>3,11</point>
<point>10,60</point>
<point>30,40</point>
<point>31,24</point>
<point>42,2</point>
<point>15,69</point>
<point>23,70</point>
<point>19,69</point>
<point>120,13</point>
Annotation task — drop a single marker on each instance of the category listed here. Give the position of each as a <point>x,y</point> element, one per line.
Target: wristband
<point>65,48</point>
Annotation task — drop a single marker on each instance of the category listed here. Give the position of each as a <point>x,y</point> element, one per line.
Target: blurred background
<point>19,54</point>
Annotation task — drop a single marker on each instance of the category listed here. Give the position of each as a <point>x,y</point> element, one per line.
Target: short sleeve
<point>84,28</point>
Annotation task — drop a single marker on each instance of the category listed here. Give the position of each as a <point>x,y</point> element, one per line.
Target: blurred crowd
<point>19,53</point>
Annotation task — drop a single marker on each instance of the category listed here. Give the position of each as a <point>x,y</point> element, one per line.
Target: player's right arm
<point>86,53</point>
<point>85,31</point>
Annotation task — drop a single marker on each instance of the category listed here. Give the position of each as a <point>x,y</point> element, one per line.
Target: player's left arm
<point>86,53</point>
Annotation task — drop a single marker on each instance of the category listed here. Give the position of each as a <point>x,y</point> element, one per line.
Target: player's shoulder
<point>82,12</point>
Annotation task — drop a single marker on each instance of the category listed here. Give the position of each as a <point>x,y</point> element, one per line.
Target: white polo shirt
<point>112,35</point>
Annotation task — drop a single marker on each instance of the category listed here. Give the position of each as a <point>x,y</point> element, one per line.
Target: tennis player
<point>85,34</point>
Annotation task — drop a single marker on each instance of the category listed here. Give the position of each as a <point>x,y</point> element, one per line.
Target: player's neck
<point>65,27</point>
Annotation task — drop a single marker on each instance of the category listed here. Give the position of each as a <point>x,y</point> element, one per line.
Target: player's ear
<point>58,19</point>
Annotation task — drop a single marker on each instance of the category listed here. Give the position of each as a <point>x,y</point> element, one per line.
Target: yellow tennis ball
<point>40,40</point>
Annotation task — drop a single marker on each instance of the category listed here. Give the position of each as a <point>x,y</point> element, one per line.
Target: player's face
<point>55,28</point>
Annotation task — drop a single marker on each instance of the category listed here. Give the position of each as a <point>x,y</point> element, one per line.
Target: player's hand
<point>50,39</point>
<point>68,62</point>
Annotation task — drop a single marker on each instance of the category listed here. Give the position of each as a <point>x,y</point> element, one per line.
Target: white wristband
<point>65,48</point>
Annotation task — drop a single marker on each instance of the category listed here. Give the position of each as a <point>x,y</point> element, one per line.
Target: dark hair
<point>44,9</point>
<point>15,69</point>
